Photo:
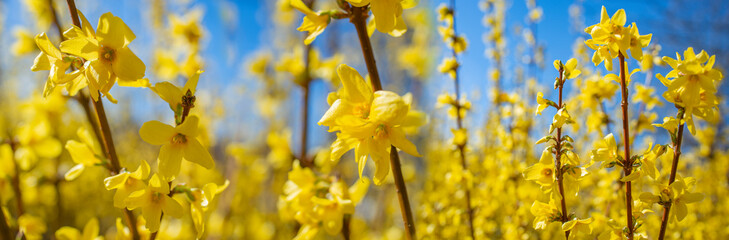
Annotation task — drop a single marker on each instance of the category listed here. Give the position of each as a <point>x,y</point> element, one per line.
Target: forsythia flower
<point>31,226</point>
<point>669,123</point>
<point>578,226</point>
<point>387,14</point>
<point>569,68</point>
<point>543,103</point>
<point>369,122</point>
<point>314,23</point>
<point>542,172</point>
<point>610,37</point>
<point>560,119</point>
<point>692,85</point>
<point>177,143</point>
<point>107,53</point>
<point>677,194</point>
<point>126,183</point>
<point>319,202</point>
<point>85,153</point>
<point>154,200</point>
<point>449,65</point>
<point>545,213</point>
<point>90,232</point>
<point>51,59</point>
<point>202,200</point>
<point>606,152</point>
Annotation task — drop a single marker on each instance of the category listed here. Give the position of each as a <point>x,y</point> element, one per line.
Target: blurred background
<point>251,106</point>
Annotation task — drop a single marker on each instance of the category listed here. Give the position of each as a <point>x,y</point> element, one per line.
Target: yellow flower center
<point>381,131</point>
<point>179,138</point>
<point>362,111</point>
<point>547,172</point>
<point>156,196</point>
<point>107,54</point>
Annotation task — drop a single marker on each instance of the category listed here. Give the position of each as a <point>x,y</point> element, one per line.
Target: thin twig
<point>672,177</point>
<point>359,15</point>
<point>558,156</point>
<point>628,163</point>
<point>106,138</point>
<point>459,122</point>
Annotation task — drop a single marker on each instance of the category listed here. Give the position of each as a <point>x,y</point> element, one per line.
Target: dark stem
<point>4,227</point>
<point>16,180</point>
<point>107,140</point>
<point>628,164</point>
<point>672,177</point>
<point>558,160</point>
<point>359,15</point>
<point>459,122</point>
<point>606,118</point>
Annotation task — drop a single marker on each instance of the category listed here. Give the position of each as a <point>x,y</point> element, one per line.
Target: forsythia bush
<point>447,161</point>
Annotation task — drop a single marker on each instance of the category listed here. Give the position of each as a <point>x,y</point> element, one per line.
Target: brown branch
<point>15,180</point>
<point>459,123</point>
<point>107,140</point>
<point>558,157</point>
<point>672,177</point>
<point>359,15</point>
<point>628,163</point>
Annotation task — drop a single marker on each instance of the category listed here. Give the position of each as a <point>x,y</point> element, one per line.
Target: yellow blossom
<point>126,183</point>
<point>369,122</point>
<point>154,200</point>
<point>177,143</point>
<point>90,232</point>
<point>692,85</point>
<point>107,54</point>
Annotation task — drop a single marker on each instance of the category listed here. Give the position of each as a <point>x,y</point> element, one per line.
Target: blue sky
<point>230,49</point>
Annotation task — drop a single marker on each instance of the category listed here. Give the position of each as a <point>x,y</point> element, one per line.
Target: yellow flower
<point>24,42</point>
<point>174,95</point>
<point>369,122</point>
<point>648,160</point>
<point>51,59</point>
<point>387,14</point>
<point>460,136</point>
<point>177,143</point>
<point>188,26</point>
<point>569,68</point>
<point>154,200</point>
<point>560,119</point>
<point>126,183</point>
<point>314,23</point>
<point>449,65</point>
<point>542,172</point>
<point>638,42</point>
<point>692,85</point>
<point>677,194</point>
<point>107,53</point>
<point>645,94</point>
<point>544,213</point>
<point>543,103</point>
<point>608,38</point>
<point>202,200</point>
<point>31,226</point>
<point>85,153</point>
<point>606,152</point>
<point>90,232</point>
<point>669,123</point>
<point>578,227</point>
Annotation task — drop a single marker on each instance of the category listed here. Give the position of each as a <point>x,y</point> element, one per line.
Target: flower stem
<point>107,140</point>
<point>303,160</point>
<point>15,180</point>
<point>359,15</point>
<point>558,158</point>
<point>4,227</point>
<point>459,122</point>
<point>672,177</point>
<point>628,164</point>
